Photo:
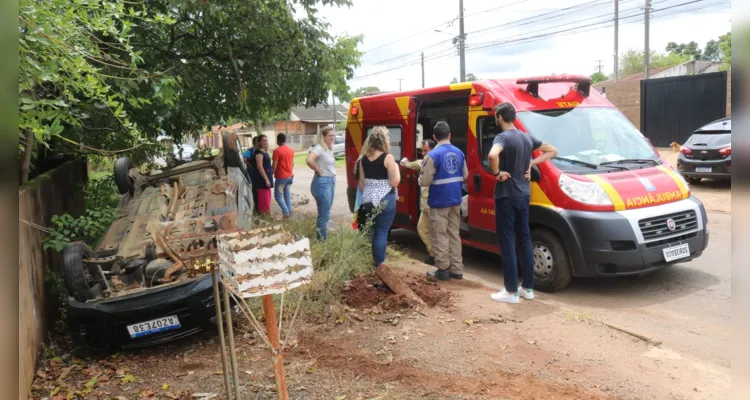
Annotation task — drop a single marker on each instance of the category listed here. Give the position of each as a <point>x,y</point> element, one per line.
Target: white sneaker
<point>505,297</point>
<point>527,294</point>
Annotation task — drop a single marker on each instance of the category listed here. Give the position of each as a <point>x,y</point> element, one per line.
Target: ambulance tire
<point>550,254</point>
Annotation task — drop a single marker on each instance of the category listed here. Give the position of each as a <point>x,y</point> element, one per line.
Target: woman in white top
<point>322,162</point>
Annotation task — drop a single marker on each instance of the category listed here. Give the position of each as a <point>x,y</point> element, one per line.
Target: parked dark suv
<point>708,152</point>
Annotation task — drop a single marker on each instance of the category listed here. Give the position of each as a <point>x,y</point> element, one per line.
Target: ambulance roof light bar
<point>582,82</point>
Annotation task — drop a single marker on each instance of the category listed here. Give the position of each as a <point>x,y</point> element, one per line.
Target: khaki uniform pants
<point>446,242</point>
<point>423,228</point>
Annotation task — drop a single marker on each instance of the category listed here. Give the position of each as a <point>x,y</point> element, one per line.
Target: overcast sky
<point>494,51</point>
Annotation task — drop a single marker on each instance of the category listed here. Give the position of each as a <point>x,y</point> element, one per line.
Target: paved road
<point>686,307</point>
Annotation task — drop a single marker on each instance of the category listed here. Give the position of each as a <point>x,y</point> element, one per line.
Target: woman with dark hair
<point>262,175</point>
<point>379,177</point>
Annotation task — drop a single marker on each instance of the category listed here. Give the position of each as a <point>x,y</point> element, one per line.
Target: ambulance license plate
<point>154,326</point>
<point>676,252</point>
<point>703,169</point>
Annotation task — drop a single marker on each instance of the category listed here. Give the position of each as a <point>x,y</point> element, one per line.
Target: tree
<point>81,78</point>
<point>248,59</point>
<point>359,92</point>
<point>597,77</point>
<point>725,46</point>
<point>469,78</point>
<point>631,61</point>
<point>691,51</point>
<point>712,52</point>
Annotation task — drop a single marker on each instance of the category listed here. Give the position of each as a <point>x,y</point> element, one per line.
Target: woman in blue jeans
<point>379,178</point>
<point>322,162</point>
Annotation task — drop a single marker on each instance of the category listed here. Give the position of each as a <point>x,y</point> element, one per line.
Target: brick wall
<point>49,194</point>
<point>626,96</point>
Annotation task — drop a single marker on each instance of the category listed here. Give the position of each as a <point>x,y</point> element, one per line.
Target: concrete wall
<point>49,194</point>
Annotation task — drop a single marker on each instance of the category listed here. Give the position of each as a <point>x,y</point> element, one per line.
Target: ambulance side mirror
<point>535,174</point>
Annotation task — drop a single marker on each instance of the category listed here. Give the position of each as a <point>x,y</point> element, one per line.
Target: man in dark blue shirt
<point>512,196</point>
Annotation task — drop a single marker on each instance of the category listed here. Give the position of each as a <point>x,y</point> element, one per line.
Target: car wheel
<point>692,180</point>
<point>552,269</point>
<point>77,278</point>
<point>123,180</point>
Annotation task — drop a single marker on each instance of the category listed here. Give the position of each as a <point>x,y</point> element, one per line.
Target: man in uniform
<point>444,172</point>
<point>423,226</point>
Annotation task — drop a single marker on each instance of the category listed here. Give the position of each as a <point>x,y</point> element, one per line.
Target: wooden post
<point>220,325</point>
<point>396,284</point>
<point>273,336</point>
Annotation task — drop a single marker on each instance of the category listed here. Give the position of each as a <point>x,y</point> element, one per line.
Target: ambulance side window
<point>487,129</point>
<point>394,134</point>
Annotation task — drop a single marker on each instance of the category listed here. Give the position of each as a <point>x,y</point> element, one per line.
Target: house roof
<point>634,77</point>
<point>320,113</point>
<point>231,128</point>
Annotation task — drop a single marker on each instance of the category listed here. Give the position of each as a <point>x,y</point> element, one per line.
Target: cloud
<point>397,31</point>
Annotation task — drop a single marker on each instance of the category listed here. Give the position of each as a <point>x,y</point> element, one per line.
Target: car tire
<point>552,268</point>
<point>74,272</point>
<point>124,182</point>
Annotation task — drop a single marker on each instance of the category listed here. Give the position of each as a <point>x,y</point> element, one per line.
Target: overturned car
<point>146,282</point>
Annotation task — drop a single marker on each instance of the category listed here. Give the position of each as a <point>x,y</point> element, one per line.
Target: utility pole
<point>646,51</point>
<point>334,110</point>
<point>422,70</point>
<point>462,40</point>
<point>399,83</point>
<point>600,66</point>
<point>617,23</point>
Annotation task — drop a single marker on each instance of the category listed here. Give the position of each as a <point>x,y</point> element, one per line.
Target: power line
<point>411,53</point>
<point>577,29</point>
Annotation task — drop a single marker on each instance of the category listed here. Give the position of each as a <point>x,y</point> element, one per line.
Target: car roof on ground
<point>724,124</point>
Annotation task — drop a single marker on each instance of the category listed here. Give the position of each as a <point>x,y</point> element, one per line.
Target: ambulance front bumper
<point>635,241</point>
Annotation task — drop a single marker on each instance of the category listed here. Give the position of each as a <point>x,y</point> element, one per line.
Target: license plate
<point>676,252</point>
<point>702,169</point>
<point>154,326</point>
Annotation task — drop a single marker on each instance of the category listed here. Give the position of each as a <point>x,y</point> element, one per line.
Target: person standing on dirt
<point>379,178</point>
<point>512,196</point>
<point>357,171</point>
<point>283,170</point>
<point>249,163</point>
<point>263,175</point>
<point>423,226</point>
<point>323,163</point>
<point>444,173</point>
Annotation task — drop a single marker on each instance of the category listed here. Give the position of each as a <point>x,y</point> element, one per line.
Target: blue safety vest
<point>445,190</point>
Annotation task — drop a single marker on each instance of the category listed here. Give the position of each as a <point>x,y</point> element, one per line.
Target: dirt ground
<point>463,346</point>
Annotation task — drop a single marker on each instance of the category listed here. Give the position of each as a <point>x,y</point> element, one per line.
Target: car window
<point>394,134</point>
<point>710,139</point>
<point>338,140</point>
<point>721,125</point>
<point>591,135</point>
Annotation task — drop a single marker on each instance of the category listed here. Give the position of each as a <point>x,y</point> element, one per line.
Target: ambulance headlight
<point>584,192</point>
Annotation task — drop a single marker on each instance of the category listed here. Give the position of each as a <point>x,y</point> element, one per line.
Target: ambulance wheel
<point>552,269</point>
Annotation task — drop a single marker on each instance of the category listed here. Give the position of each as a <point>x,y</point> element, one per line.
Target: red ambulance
<point>607,205</point>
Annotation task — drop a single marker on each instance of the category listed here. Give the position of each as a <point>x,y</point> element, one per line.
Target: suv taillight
<point>685,150</point>
<point>726,151</point>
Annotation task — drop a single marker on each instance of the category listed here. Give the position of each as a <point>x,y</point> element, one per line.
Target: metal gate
<point>672,108</point>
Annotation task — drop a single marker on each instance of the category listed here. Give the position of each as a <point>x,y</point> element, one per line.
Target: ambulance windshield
<point>594,136</point>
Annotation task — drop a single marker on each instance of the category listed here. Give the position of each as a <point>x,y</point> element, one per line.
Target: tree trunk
<point>26,156</point>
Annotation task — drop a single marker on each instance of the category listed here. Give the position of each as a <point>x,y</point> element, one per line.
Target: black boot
<point>439,274</point>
